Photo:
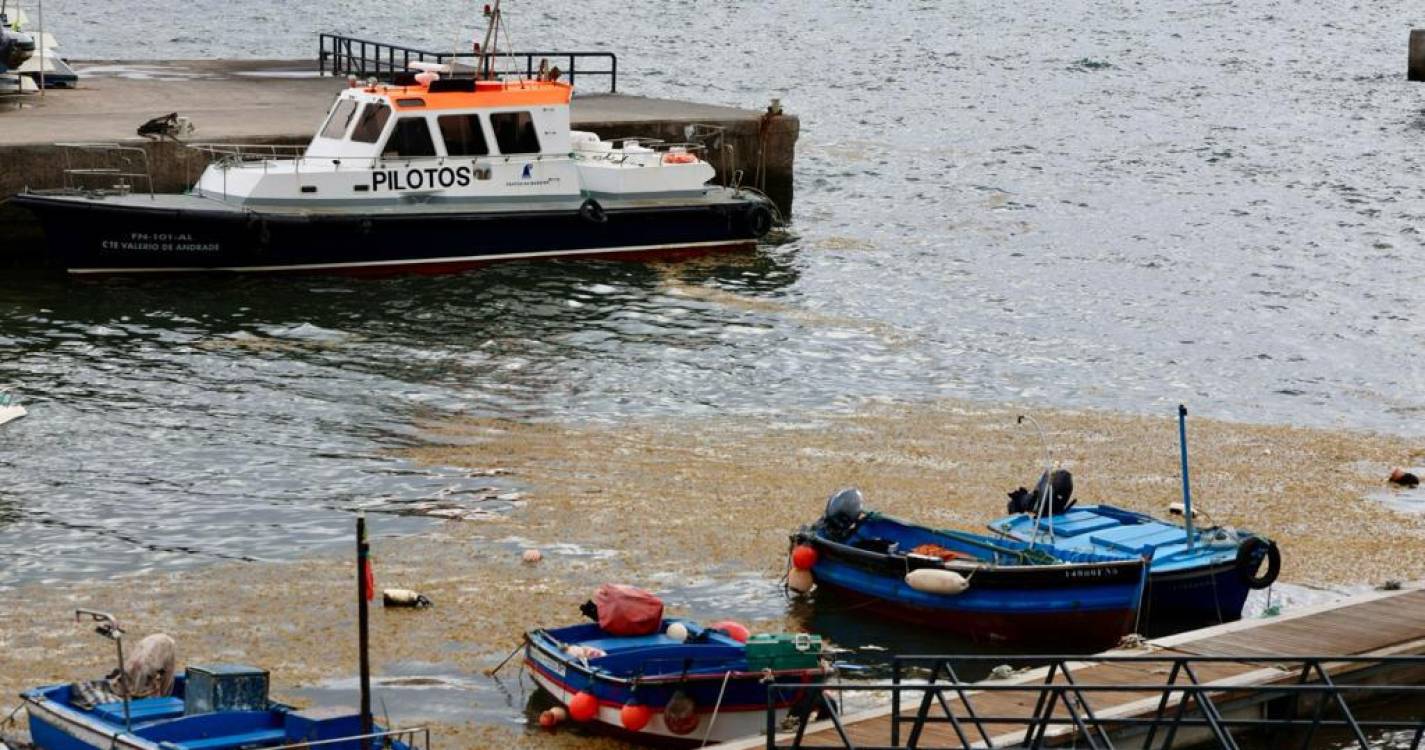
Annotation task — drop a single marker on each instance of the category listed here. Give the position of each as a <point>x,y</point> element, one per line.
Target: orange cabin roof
<point>487,94</point>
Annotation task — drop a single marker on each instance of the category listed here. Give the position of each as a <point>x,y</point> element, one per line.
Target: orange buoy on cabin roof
<point>486,94</point>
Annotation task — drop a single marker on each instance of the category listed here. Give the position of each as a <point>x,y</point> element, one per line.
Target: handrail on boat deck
<point>105,150</point>
<point>1060,701</point>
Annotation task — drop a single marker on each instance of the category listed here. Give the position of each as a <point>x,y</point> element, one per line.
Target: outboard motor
<point>843,510</point>
<point>1061,485</point>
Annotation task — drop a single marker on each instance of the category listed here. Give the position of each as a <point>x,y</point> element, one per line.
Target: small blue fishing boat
<point>148,704</point>
<point>215,707</point>
<point>1196,575</point>
<point>970,585</point>
<point>1205,579</point>
<point>683,686</point>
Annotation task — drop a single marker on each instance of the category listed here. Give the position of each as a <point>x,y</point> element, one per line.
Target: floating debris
<point>10,408</point>
<point>1403,478</point>
<point>532,556</point>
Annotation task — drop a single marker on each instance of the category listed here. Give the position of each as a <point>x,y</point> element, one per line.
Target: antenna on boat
<point>492,37</point>
<point>1045,496</point>
<point>1187,488</point>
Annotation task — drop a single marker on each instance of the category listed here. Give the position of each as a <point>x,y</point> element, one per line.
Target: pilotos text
<point>417,179</point>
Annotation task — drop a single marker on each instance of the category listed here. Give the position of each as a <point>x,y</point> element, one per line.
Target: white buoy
<point>677,631</point>
<point>799,580</point>
<point>532,556</point>
<point>404,598</point>
<point>936,581</point>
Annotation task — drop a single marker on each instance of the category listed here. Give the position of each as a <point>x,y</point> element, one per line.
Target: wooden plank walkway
<point>1374,624</point>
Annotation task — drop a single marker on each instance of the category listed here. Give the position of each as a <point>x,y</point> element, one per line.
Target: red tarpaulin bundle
<point>628,610</point>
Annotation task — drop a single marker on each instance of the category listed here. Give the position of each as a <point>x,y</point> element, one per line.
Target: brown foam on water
<point>686,495</point>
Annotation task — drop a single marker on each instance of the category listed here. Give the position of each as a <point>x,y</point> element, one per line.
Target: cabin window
<point>410,102</point>
<point>410,137</point>
<point>515,133</point>
<point>463,135</point>
<point>371,122</point>
<point>340,119</point>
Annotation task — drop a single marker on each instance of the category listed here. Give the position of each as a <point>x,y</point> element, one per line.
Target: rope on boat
<point>713,720</point>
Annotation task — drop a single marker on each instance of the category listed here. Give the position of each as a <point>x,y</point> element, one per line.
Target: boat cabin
<point>437,140</point>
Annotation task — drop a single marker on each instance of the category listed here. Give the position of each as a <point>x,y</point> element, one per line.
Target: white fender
<point>936,581</point>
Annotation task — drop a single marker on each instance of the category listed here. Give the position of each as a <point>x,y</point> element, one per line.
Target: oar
<point>506,660</point>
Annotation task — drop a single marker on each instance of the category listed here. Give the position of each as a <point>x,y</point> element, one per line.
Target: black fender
<point>1249,561</point>
<point>591,211</point>
<point>759,220</point>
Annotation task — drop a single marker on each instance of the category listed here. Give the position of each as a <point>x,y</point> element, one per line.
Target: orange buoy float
<point>583,706</point>
<point>675,157</point>
<point>548,719</point>
<point>635,716</point>
<point>735,630</point>
<point>804,557</point>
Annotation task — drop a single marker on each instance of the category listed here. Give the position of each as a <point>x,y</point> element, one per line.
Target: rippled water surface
<point>1119,205</point>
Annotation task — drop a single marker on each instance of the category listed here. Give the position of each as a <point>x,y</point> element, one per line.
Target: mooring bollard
<point>1416,70</point>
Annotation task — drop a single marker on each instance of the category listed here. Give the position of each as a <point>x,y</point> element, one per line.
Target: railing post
<point>771,717</point>
<point>613,74</point>
<point>896,701</point>
<point>571,70</point>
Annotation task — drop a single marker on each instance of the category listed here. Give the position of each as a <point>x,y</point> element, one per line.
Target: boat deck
<point>1375,624</point>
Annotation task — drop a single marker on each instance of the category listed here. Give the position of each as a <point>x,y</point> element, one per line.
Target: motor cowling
<point>843,511</point>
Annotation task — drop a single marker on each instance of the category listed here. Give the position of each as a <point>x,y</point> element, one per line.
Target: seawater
<point>1096,204</point>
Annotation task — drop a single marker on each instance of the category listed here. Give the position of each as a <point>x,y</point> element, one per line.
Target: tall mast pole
<point>363,553</point>
<point>1187,487</point>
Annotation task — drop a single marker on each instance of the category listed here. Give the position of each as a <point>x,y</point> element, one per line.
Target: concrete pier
<point>1381,624</point>
<point>282,102</point>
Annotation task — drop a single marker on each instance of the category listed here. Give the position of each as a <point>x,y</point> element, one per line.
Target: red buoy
<point>803,557</point>
<point>583,706</point>
<point>635,716</point>
<point>735,630</point>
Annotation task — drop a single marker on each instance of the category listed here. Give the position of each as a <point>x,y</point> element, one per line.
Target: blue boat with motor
<point>1196,575</point>
<point>973,586</point>
<point>681,684</point>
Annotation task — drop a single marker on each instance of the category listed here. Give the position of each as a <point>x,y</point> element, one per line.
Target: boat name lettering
<point>1085,573</point>
<point>416,179</point>
<point>160,243</point>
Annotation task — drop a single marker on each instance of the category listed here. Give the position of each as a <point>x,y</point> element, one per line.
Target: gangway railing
<point>341,55</point>
<point>1302,698</point>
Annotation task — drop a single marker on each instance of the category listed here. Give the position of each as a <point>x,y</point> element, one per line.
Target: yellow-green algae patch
<point>695,496</point>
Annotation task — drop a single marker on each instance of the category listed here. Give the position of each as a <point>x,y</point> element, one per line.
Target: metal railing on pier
<point>1295,699</point>
<point>340,55</point>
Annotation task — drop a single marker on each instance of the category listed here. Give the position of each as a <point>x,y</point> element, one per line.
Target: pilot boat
<point>431,172</point>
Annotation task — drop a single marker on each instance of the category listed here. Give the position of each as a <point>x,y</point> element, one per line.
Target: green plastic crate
<point>778,651</point>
